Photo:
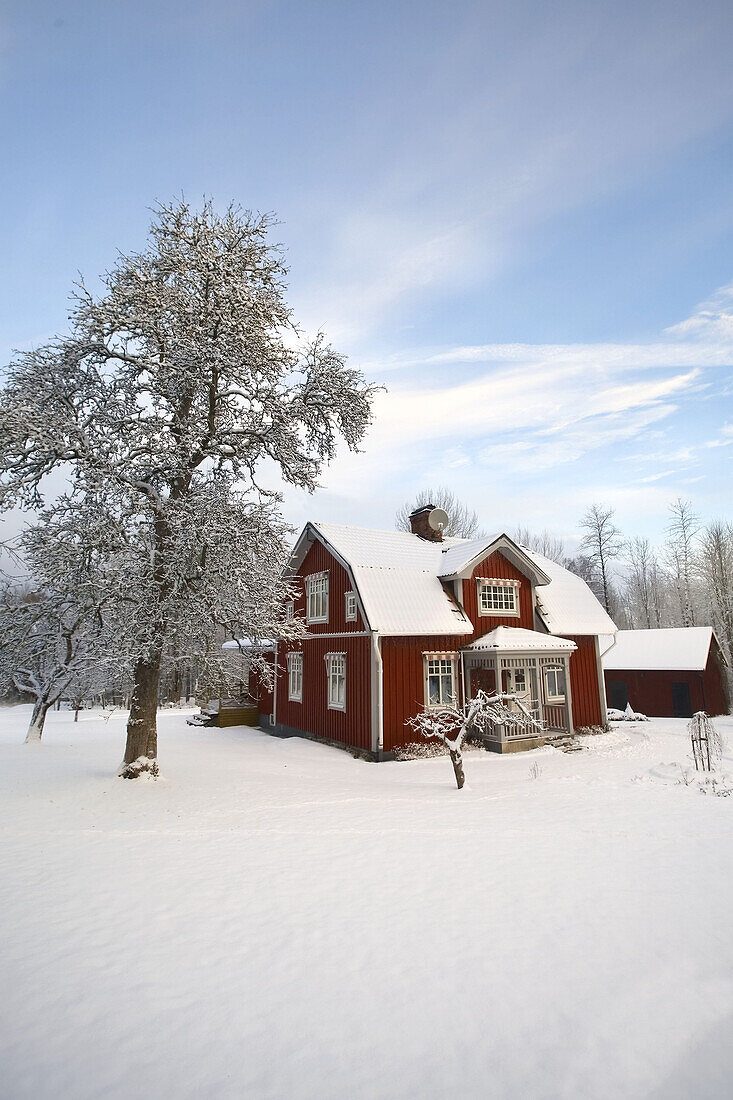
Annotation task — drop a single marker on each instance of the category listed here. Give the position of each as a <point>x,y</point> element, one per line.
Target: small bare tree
<point>462,521</point>
<point>680,547</point>
<point>714,566</point>
<point>451,724</point>
<point>602,543</point>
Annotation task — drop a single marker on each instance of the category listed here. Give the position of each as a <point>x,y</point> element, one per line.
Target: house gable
<point>317,558</point>
<point>497,566</point>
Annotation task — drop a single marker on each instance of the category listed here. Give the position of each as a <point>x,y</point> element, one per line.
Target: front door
<point>516,682</point>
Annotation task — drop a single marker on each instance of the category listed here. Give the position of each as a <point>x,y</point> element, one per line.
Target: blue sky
<point>518,217</point>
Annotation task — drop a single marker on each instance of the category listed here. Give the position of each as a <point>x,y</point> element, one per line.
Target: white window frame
<point>295,676</point>
<point>316,597</point>
<point>498,588</point>
<point>350,607</point>
<point>442,659</point>
<point>335,670</point>
<point>289,611</point>
<point>558,668</point>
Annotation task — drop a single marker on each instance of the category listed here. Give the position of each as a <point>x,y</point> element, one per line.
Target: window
<point>498,597</point>
<point>316,596</point>
<point>289,611</point>
<point>350,607</point>
<point>555,684</point>
<point>295,677</point>
<point>440,680</point>
<point>336,677</point>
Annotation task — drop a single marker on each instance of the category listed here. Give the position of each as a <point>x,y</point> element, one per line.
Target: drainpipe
<point>377,697</point>
<point>601,674</point>
<point>273,720</point>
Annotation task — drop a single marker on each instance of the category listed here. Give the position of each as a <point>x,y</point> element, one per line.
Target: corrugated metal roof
<point>566,605</point>
<point>516,637</point>
<point>675,647</point>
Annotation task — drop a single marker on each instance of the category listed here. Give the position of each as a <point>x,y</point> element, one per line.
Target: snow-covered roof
<point>674,647</point>
<point>244,644</point>
<point>516,637</point>
<point>397,577</point>
<point>566,605</point>
<point>457,553</point>
<point>461,555</point>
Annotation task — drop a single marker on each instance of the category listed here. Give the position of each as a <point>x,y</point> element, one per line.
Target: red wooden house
<point>670,672</point>
<point>397,622</point>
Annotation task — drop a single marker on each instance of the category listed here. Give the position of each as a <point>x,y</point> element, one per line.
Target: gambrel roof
<point>403,581</point>
<point>681,648</point>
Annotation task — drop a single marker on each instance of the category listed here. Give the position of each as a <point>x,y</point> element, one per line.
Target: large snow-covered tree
<point>174,391</point>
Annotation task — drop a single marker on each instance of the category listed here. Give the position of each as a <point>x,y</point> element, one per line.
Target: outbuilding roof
<point>403,580</point>
<point>673,647</point>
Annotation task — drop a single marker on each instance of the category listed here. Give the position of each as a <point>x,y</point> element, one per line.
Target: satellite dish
<point>438,519</point>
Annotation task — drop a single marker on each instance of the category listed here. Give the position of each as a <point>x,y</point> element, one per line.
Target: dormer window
<point>497,596</point>
<point>350,607</point>
<point>316,597</point>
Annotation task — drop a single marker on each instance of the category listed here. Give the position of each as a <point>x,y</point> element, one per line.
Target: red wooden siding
<point>352,726</point>
<point>650,690</point>
<point>316,560</point>
<point>496,565</point>
<point>404,685</point>
<point>584,683</point>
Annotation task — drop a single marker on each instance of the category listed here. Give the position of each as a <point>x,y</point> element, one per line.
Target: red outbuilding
<point>397,622</point>
<point>667,673</point>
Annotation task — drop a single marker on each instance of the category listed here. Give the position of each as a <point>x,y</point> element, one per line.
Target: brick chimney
<point>420,524</point>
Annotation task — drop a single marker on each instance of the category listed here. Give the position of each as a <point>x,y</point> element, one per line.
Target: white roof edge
<point>495,540</point>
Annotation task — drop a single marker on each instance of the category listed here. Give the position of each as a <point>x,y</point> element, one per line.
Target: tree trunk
<point>456,760</point>
<point>41,708</point>
<point>142,732</point>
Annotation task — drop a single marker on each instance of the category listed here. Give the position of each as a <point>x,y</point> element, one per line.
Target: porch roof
<point>517,638</point>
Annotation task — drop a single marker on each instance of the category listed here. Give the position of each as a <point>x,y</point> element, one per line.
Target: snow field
<point>276,919</point>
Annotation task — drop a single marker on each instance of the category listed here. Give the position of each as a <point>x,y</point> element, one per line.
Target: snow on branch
<point>478,716</point>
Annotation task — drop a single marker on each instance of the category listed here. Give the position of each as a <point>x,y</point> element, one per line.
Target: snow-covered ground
<point>276,919</point>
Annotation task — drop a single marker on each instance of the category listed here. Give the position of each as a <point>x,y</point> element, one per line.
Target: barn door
<point>681,706</point>
<point>618,694</point>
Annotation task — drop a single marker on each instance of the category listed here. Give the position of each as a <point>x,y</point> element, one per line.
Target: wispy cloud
<point>478,416</point>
